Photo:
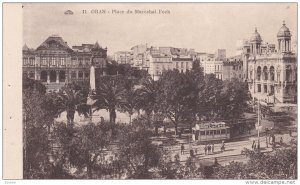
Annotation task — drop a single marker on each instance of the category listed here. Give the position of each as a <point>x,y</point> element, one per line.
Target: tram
<point>205,132</point>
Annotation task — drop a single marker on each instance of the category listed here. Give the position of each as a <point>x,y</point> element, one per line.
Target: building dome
<point>284,31</point>
<point>255,37</point>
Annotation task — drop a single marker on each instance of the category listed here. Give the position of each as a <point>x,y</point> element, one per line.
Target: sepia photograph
<point>114,91</point>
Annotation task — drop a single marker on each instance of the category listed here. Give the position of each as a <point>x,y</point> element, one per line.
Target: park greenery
<point>125,151</point>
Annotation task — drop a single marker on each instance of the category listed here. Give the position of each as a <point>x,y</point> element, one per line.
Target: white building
<point>213,67</point>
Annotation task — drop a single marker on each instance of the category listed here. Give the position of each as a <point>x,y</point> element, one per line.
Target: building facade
<point>213,67</point>
<point>159,63</point>
<point>233,68</point>
<point>54,63</point>
<point>271,74</point>
<point>123,57</point>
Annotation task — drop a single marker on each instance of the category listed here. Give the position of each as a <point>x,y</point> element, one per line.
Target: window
<point>53,61</point>
<point>44,61</point>
<point>87,74</point>
<point>265,73</point>
<point>73,74</point>
<point>176,65</point>
<point>258,72</point>
<point>80,61</point>
<point>223,131</point>
<point>31,60</point>
<point>25,61</point>
<point>80,74</point>
<point>202,133</point>
<point>181,64</point>
<point>272,76</point>
<point>265,88</point>
<point>187,65</point>
<point>31,74</point>
<point>62,61</point>
<point>288,72</point>
<point>258,88</point>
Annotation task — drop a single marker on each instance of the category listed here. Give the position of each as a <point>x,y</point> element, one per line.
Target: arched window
<point>258,72</point>
<point>44,76</point>
<point>272,75</point>
<point>265,72</point>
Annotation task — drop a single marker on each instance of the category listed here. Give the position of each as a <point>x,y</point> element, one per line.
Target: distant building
<point>220,54</point>
<point>140,56</point>
<point>159,63</point>
<point>205,56</point>
<point>54,63</point>
<point>213,67</point>
<point>233,68</point>
<point>123,57</point>
<point>182,63</point>
<point>271,74</point>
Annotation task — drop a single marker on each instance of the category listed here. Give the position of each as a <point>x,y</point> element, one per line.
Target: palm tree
<point>71,100</point>
<point>147,96</point>
<point>131,102</point>
<point>110,95</point>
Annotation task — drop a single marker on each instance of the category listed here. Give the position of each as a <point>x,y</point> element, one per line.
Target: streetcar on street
<point>210,132</point>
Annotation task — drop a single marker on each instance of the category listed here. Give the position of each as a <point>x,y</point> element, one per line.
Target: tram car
<point>210,132</point>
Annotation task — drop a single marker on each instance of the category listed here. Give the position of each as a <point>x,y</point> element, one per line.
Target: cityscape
<point>161,111</point>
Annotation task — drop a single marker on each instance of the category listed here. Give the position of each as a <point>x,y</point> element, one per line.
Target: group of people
<point>270,140</point>
<point>208,149</point>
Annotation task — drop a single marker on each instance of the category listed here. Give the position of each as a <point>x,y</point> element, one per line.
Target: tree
<point>35,135</point>
<point>177,97</point>
<point>131,101</point>
<point>33,85</point>
<point>82,146</point>
<point>110,95</point>
<point>209,97</point>
<point>137,152</point>
<point>280,164</point>
<point>147,96</point>
<point>71,100</point>
<point>235,97</point>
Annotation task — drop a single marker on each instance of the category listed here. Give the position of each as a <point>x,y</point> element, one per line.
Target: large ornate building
<point>271,74</point>
<point>54,63</point>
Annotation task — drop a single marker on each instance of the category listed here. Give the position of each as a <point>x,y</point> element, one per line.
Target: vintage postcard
<point>150,91</point>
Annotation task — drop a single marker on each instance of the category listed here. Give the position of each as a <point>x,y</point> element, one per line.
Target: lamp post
<point>258,125</point>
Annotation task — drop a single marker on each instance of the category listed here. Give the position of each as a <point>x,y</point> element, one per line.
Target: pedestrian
<point>223,147</point>
<point>182,149</point>
<point>290,132</point>
<point>208,148</point>
<point>281,140</point>
<point>196,151</point>
<point>213,148</point>
<point>254,147</point>
<point>216,162</point>
<point>267,142</point>
<point>253,143</point>
<point>273,139</point>
<point>205,149</point>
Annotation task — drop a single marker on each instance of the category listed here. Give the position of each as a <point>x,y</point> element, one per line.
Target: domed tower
<point>284,39</point>
<point>255,43</point>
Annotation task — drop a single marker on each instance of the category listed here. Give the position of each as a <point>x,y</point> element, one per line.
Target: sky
<point>204,27</point>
